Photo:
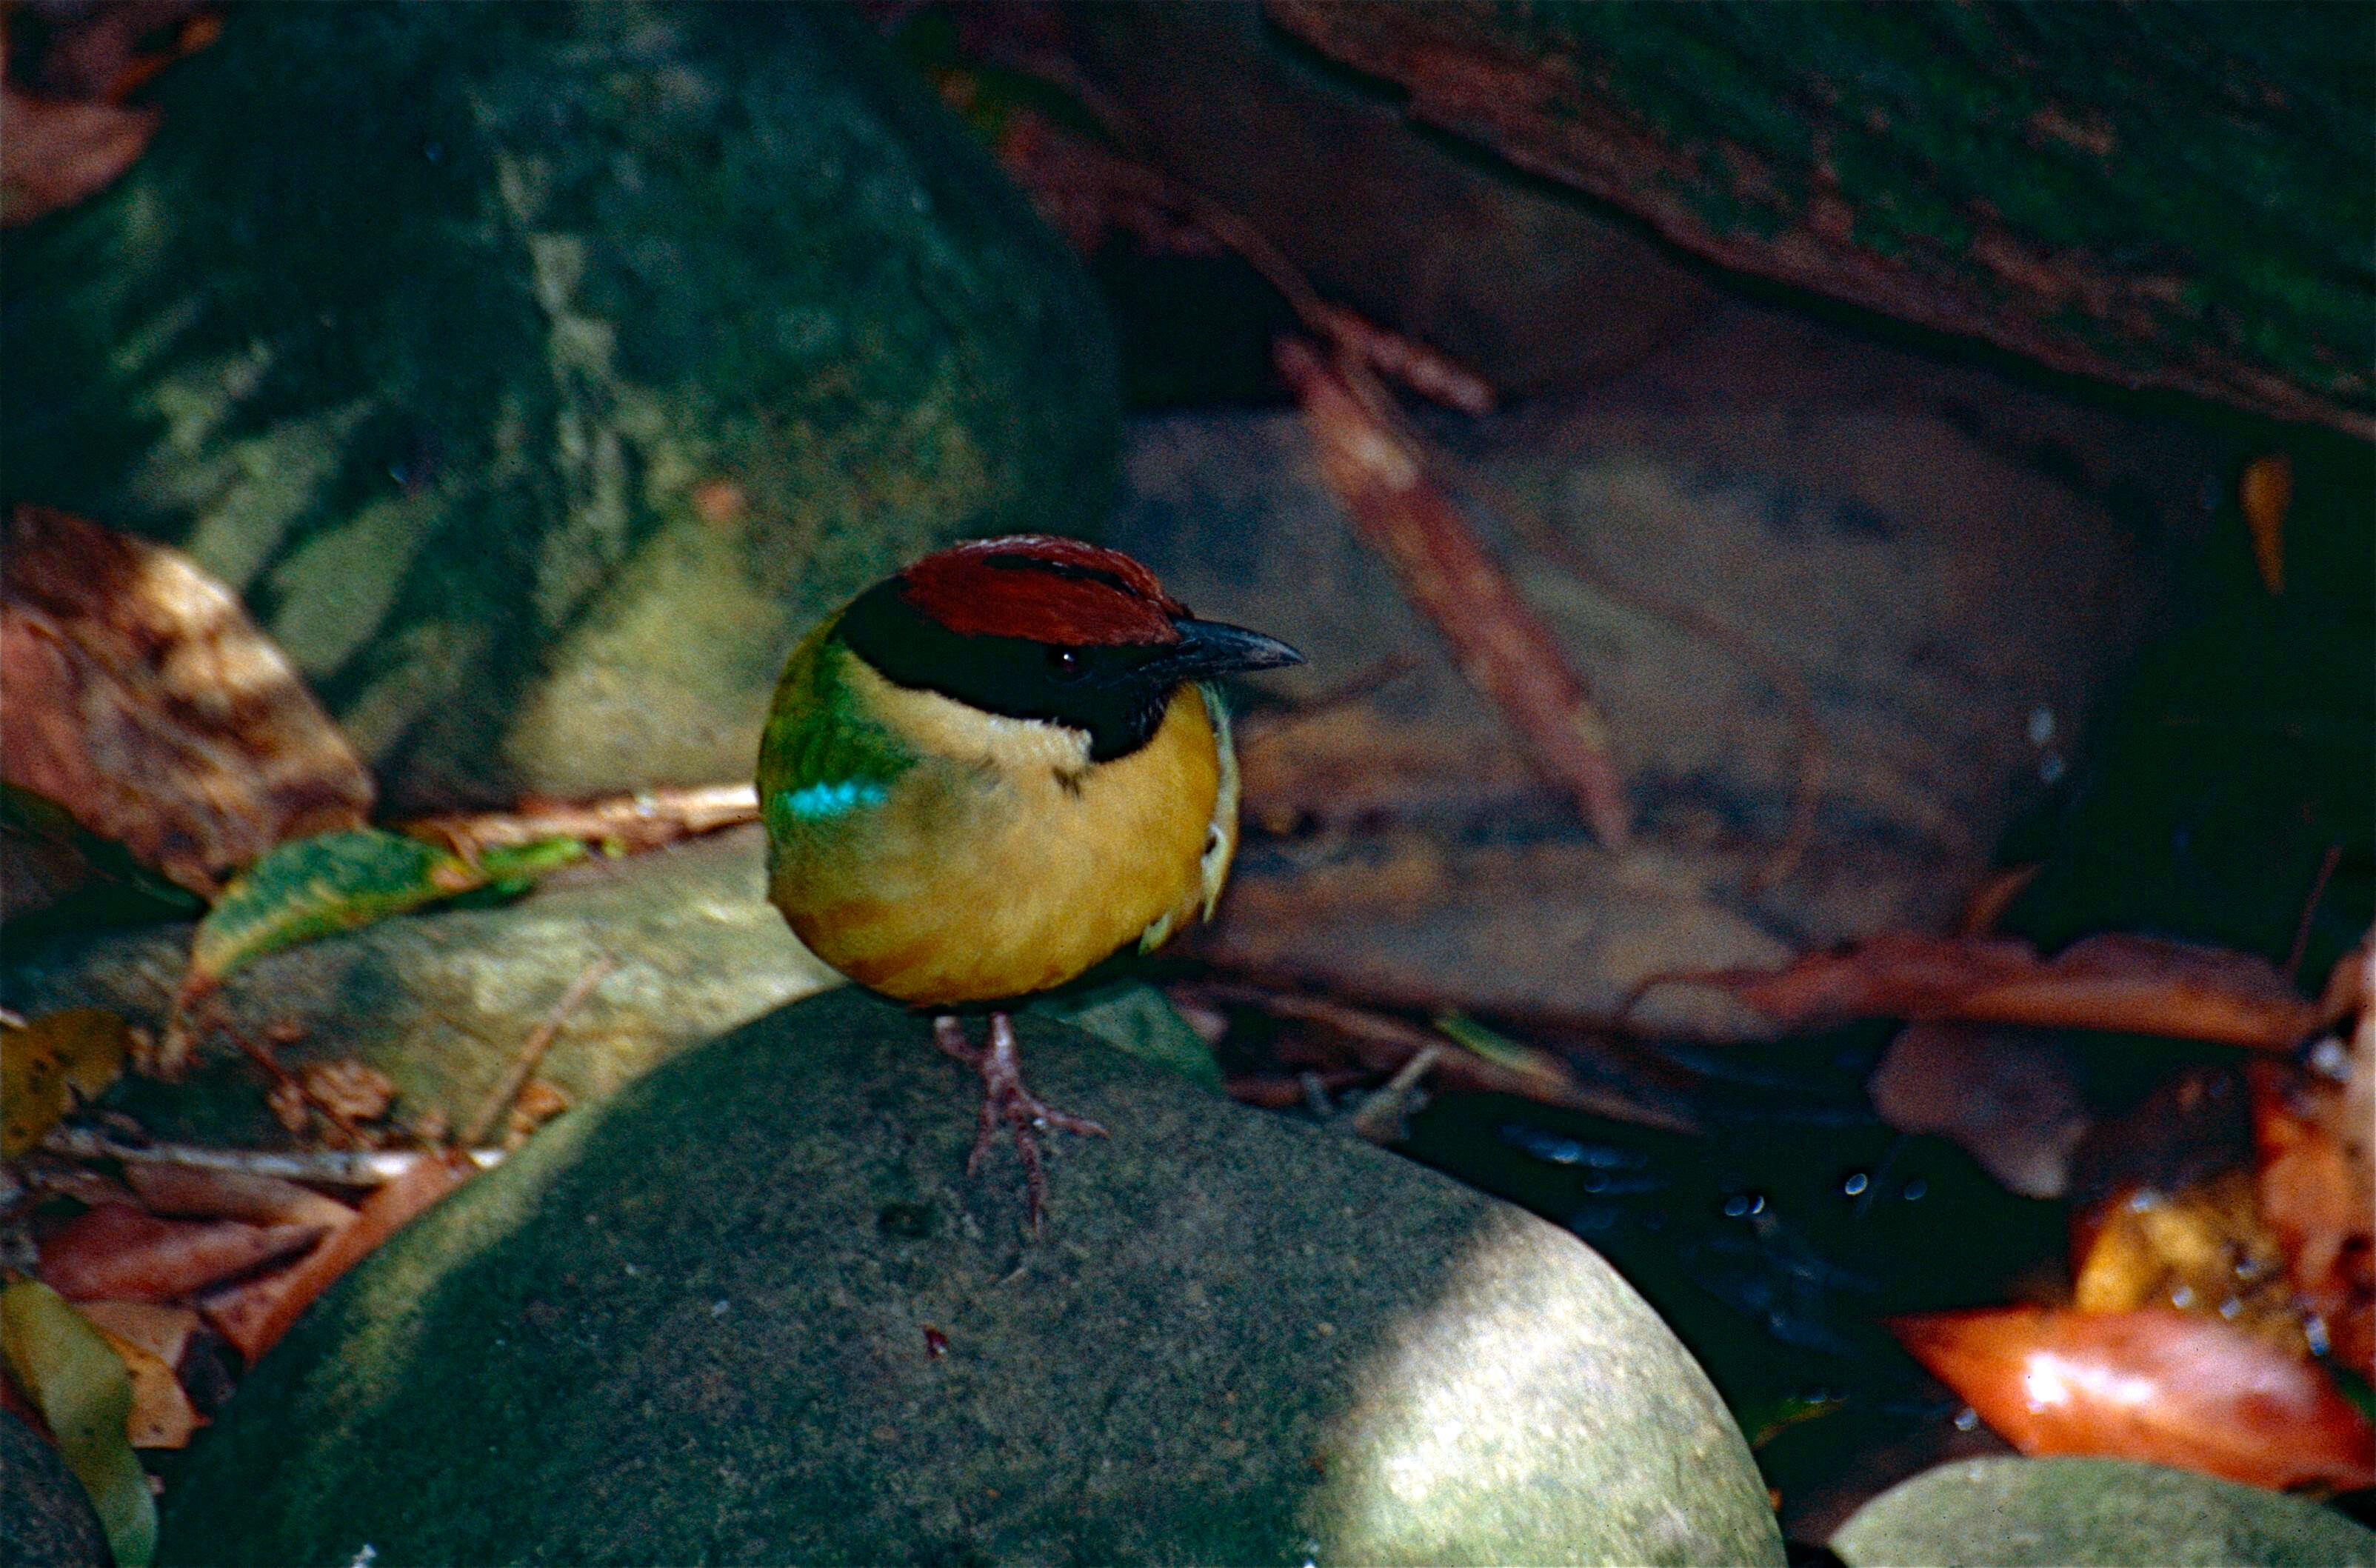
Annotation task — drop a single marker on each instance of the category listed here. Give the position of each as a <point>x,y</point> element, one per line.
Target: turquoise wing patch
<point>823,802</point>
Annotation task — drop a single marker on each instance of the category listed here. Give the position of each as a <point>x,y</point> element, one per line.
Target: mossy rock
<point>752,1310</point>
<point>2000,1513</point>
<point>537,374</point>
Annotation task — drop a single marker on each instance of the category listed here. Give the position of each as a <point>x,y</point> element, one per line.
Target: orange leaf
<point>2267,494</point>
<point>2133,985</point>
<point>2196,1393</point>
<point>120,1252</point>
<point>163,1332</point>
<point>255,1315</point>
<point>162,1415</point>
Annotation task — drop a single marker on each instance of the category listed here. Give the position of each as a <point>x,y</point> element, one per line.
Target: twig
<point>531,1051</point>
<point>2310,910</point>
<point>645,820</point>
<point>1384,1042</point>
<point>329,1167</point>
<point>1382,1115</point>
<point>1498,641</point>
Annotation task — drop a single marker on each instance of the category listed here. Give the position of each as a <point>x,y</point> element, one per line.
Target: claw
<point>1006,1097</point>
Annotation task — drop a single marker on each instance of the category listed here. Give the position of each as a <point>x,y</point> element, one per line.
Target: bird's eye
<point>1063,663</point>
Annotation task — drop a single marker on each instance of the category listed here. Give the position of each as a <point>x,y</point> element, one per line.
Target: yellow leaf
<point>81,1049</point>
<point>79,1383</point>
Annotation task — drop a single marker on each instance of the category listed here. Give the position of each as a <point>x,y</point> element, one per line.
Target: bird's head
<point>1054,630</point>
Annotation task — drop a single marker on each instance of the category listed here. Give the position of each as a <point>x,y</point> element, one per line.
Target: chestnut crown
<point>1033,626</point>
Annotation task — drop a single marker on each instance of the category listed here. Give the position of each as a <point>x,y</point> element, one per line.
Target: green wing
<point>822,759</point>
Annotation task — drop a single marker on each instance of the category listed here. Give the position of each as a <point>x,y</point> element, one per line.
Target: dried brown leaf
<point>197,1192</point>
<point>55,152</point>
<point>123,1255</point>
<point>255,1315</point>
<point>143,699</point>
<point>2132,984</point>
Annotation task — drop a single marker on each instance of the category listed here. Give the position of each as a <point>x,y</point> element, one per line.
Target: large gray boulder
<point>537,374</point>
<point>752,1310</point>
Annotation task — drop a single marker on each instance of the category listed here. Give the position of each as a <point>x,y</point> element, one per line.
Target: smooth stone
<point>2001,1513</point>
<point>752,1310</point>
<point>538,374</point>
<point>442,1001</point>
<point>45,1516</point>
<point>1952,565</point>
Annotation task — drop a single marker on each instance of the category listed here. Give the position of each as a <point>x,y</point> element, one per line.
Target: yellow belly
<point>1001,864</point>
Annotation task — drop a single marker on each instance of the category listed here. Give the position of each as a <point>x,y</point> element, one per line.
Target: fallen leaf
<point>2315,1191</point>
<point>2132,984</point>
<point>143,700</point>
<point>48,1063</point>
<point>162,1415</point>
<point>356,1090</point>
<point>163,1332</point>
<point>124,1255</point>
<point>2161,1386</point>
<point>333,883</point>
<point>55,152</point>
<point>48,859</point>
<point>2267,494</point>
<point>2202,1250</point>
<point>255,1315</point>
<point>197,1192</point>
<point>79,1384</point>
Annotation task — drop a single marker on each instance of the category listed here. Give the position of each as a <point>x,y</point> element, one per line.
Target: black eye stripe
<point>1062,569</point>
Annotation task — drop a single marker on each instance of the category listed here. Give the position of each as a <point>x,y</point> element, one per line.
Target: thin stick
<point>531,1052</point>
<point>1381,1115</point>
<point>645,820</point>
<point>329,1167</point>
<point>2310,909</point>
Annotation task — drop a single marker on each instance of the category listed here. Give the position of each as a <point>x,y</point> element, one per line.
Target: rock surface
<point>1950,565</point>
<point>750,1310</point>
<point>45,1517</point>
<point>536,374</point>
<point>441,1002</point>
<point>2094,1513</point>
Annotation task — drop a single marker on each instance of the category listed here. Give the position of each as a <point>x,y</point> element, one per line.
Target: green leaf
<point>337,881</point>
<point>1502,1051</point>
<point>1133,1016</point>
<point>80,1386</point>
<point>80,1049</point>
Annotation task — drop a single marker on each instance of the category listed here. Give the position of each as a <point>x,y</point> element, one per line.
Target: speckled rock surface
<point>751,1310</point>
<point>537,374</point>
<point>2094,1513</point>
<point>45,1518</point>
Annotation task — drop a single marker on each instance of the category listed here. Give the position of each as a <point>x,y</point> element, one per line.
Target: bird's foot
<point>1006,1099</point>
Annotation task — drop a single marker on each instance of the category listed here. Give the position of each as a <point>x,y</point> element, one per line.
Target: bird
<point>988,773</point>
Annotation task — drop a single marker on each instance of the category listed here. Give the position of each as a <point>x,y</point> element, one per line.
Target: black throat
<point>1105,692</point>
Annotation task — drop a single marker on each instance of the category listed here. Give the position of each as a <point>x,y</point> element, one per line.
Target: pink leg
<point>1006,1097</point>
